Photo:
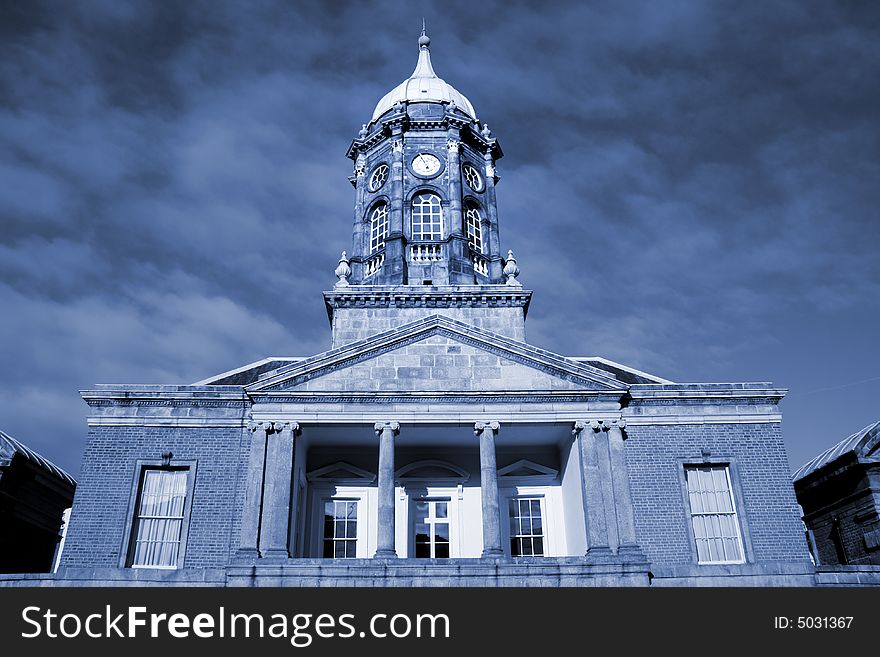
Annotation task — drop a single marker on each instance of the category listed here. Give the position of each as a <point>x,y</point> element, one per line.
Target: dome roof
<point>423,86</point>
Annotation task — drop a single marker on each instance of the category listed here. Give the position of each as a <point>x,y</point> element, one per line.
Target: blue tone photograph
<point>439,294</point>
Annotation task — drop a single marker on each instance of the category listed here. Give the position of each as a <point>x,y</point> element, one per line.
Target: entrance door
<point>431,528</point>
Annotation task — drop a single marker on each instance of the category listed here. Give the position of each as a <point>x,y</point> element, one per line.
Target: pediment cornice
<point>436,325</point>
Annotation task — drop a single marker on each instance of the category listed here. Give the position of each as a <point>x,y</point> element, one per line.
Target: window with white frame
<point>427,217</point>
<point>378,177</point>
<point>159,519</point>
<point>431,528</point>
<point>713,514</point>
<point>378,227</point>
<point>340,529</point>
<point>526,527</point>
<point>474,227</point>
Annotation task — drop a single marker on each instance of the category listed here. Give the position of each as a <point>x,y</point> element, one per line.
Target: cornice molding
<point>475,397</point>
<point>370,297</point>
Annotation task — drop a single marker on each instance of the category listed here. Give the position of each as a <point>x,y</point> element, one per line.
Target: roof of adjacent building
<point>424,86</point>
<point>9,446</point>
<point>863,444</point>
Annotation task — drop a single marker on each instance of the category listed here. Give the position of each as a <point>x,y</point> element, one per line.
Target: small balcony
<point>425,252</point>
<point>481,264</point>
<point>374,264</point>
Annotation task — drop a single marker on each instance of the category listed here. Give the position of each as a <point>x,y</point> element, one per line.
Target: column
<point>626,522</point>
<point>489,489</point>
<point>393,269</point>
<point>360,247</point>
<point>594,499</point>
<point>492,239</point>
<point>461,270</point>
<point>385,545</point>
<point>253,493</point>
<point>275,531</point>
<point>454,188</point>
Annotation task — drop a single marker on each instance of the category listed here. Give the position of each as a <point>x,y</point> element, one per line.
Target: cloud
<point>689,187</point>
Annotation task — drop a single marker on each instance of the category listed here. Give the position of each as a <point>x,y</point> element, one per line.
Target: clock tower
<point>425,220</point>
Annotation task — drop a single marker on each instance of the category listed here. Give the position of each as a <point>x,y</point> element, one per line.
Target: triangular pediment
<point>432,470</point>
<point>341,473</point>
<point>525,471</point>
<point>437,354</point>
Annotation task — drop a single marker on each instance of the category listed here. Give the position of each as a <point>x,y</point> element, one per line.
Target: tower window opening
<point>427,217</point>
<point>474,228</point>
<point>378,227</point>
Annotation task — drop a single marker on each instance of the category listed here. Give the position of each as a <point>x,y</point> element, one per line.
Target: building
<point>34,496</point>
<point>432,444</point>
<point>839,491</point>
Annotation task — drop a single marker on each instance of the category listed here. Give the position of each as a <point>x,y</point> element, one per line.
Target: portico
<point>422,489</point>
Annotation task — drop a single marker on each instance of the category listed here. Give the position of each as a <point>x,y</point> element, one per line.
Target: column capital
<point>619,425</point>
<point>393,425</point>
<point>273,426</point>
<point>287,426</point>
<point>259,426</point>
<point>598,425</point>
<point>479,427</point>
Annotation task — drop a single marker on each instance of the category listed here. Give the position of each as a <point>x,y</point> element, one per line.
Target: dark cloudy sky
<point>691,188</point>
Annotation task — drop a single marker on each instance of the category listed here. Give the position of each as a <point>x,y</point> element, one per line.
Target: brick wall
<point>655,456</point>
<point>99,518</point>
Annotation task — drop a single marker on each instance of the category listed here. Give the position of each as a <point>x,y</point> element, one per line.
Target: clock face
<point>426,164</point>
<point>473,178</point>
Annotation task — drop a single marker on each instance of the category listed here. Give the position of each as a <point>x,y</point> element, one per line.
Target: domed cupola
<point>424,175</point>
<point>423,86</point>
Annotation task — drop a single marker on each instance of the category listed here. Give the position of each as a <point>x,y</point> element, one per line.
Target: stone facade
<point>432,445</point>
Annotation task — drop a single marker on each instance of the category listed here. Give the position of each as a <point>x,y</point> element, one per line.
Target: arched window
<point>473,224</point>
<point>378,226</point>
<point>427,217</point>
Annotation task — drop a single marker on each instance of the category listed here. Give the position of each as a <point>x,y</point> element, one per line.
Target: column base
<point>385,554</point>
<point>247,554</point>
<point>492,553</point>
<point>631,553</point>
<point>601,553</point>
<point>276,553</point>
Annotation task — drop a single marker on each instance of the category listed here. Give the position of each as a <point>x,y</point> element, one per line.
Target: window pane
<point>713,515</point>
<point>378,227</point>
<point>440,509</point>
<point>441,532</point>
<point>423,550</point>
<point>474,229</point>
<point>340,529</point>
<point>426,217</point>
<point>159,522</point>
<point>538,546</point>
<point>526,527</point>
<point>441,551</point>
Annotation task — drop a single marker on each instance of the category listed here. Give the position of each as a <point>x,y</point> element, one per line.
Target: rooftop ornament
<point>343,271</point>
<point>511,269</point>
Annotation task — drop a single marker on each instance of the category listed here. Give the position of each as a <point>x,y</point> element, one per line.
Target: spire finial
<point>424,41</point>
